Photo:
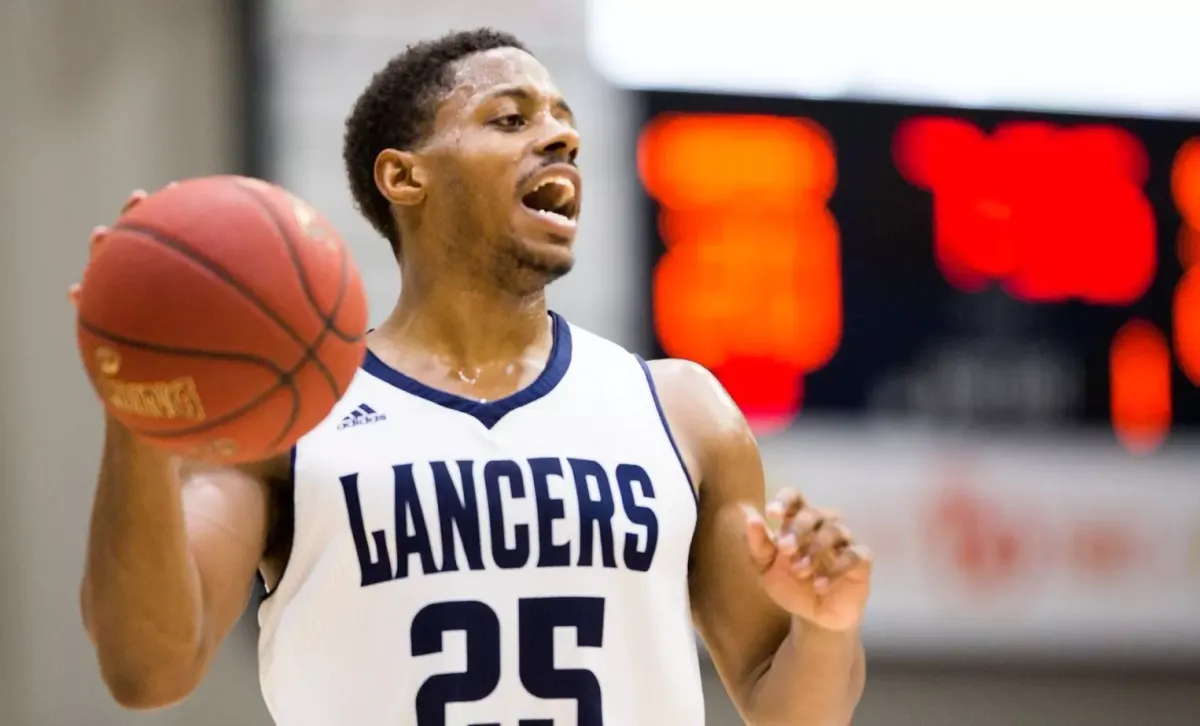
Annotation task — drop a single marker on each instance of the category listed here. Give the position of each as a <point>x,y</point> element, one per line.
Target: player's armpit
<point>756,645</point>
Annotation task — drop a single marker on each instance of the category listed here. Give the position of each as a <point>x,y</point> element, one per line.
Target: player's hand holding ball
<point>220,318</point>
<point>810,565</point>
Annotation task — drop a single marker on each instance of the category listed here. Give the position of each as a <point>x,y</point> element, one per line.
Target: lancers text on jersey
<point>602,540</point>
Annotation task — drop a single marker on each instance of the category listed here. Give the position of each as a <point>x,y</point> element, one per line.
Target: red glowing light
<point>1140,386</point>
<point>750,285</point>
<point>1050,213</point>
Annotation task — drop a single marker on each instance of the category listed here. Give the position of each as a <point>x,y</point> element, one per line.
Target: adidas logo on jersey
<point>361,416</point>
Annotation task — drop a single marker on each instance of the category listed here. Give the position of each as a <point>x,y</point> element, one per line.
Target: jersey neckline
<point>487,413</point>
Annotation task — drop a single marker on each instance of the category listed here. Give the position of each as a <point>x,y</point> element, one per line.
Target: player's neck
<point>468,325</point>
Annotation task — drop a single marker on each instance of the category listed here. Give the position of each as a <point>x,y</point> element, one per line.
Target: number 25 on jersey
<point>537,619</point>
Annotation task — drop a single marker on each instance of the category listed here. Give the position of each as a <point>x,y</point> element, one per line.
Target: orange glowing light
<point>1188,246</point>
<point>750,284</point>
<point>1140,386</point>
<point>1185,310</point>
<point>1186,316</point>
<point>690,161</point>
<point>1185,182</point>
<point>1050,213</point>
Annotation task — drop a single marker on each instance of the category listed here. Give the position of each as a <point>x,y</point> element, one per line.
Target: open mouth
<point>555,198</point>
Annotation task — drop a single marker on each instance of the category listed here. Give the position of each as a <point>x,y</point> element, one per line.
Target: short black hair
<point>396,109</point>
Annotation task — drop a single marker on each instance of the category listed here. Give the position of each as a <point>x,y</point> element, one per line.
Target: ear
<point>399,177</point>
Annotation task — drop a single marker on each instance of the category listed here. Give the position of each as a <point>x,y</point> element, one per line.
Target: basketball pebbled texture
<point>221,318</point>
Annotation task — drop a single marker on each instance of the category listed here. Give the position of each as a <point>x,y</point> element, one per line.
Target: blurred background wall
<point>98,99</point>
<point>1035,573</point>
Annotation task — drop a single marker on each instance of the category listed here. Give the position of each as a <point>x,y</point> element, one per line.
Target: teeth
<point>552,215</point>
<point>565,191</point>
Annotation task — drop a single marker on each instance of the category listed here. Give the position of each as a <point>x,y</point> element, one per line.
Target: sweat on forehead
<point>479,73</point>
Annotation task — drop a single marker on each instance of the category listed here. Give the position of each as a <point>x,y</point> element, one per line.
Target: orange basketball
<point>221,319</point>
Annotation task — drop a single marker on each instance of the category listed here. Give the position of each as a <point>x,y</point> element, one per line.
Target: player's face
<point>502,161</point>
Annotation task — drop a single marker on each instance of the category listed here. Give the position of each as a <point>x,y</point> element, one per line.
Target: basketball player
<point>506,520</point>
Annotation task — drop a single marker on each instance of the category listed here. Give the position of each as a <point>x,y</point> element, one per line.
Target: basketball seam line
<point>329,319</point>
<point>283,379</point>
<point>225,276</point>
<point>183,352</point>
<point>286,377</point>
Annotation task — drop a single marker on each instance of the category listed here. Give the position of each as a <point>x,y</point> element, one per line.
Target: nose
<point>560,143</point>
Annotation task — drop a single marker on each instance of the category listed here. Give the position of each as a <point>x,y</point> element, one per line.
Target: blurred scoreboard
<point>981,268</point>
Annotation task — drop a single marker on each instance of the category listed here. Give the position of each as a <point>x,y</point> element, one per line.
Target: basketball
<point>221,319</point>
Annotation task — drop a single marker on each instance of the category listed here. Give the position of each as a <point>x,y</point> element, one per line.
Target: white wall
<point>97,98</point>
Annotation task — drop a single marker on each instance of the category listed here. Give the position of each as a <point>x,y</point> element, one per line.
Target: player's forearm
<point>141,595</point>
<point>815,679</point>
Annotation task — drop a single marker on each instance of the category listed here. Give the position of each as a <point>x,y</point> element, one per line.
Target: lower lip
<point>553,223</point>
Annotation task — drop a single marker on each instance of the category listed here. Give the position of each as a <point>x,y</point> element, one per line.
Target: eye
<point>510,122</point>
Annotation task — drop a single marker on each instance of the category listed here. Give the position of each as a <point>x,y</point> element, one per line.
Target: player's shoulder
<point>600,359</point>
<point>695,404</point>
<point>705,421</point>
<point>685,388</point>
<point>674,372</point>
<point>688,389</point>
<point>585,342</point>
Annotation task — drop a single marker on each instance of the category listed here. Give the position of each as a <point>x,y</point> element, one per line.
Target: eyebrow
<point>524,94</point>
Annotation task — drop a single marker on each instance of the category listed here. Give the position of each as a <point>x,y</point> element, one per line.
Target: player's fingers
<point>832,537</point>
<point>785,504</point>
<point>828,512</point>
<point>802,529</point>
<point>135,198</point>
<point>852,559</point>
<point>804,526</point>
<point>818,533</point>
<point>802,566</point>
<point>73,294</point>
<point>810,519</point>
<point>759,539</point>
<point>97,236</point>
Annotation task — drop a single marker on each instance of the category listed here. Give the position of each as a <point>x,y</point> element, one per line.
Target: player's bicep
<point>741,626</point>
<point>228,514</point>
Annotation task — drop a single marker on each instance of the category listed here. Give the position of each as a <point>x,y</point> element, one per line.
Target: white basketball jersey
<point>520,562</point>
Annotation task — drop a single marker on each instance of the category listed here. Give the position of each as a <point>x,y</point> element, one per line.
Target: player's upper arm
<point>741,626</point>
<point>230,514</point>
